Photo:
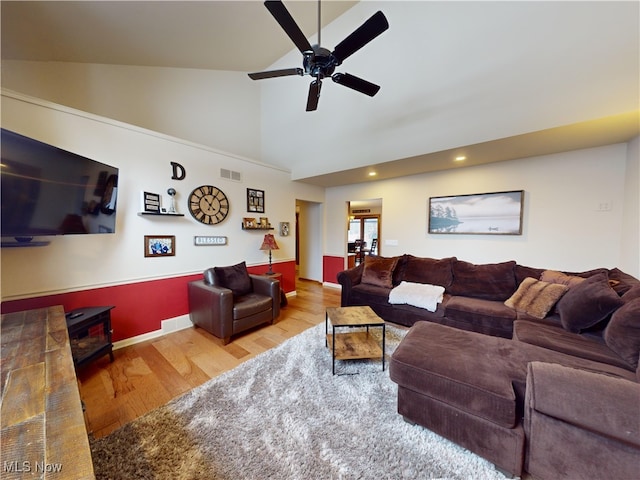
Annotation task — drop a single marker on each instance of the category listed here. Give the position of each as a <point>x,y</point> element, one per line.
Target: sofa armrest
<point>270,287</point>
<point>211,308</point>
<point>348,279</point>
<point>599,403</point>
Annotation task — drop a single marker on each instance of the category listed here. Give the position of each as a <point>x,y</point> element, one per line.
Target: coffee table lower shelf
<point>355,346</point>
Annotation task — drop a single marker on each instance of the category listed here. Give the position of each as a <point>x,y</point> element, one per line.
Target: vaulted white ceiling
<point>492,80</point>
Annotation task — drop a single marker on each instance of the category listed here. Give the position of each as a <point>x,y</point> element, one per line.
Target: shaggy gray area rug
<point>283,415</point>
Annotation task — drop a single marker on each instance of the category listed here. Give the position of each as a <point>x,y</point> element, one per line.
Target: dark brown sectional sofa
<point>535,370</point>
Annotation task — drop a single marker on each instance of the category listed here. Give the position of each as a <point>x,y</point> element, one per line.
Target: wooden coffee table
<point>352,345</point>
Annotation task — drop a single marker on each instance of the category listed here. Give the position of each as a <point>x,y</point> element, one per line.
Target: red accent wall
<point>140,306</point>
<point>331,266</point>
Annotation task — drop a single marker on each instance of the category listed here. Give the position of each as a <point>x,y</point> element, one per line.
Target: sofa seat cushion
<point>250,304</point>
<point>559,340</point>
<point>366,294</point>
<point>483,316</point>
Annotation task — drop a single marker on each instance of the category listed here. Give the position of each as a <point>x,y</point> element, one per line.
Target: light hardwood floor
<point>149,374</point>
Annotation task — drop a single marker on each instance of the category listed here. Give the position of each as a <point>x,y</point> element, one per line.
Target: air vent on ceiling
<point>231,175</point>
<point>363,210</point>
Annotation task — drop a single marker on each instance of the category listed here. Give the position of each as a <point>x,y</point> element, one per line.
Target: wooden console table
<point>43,429</point>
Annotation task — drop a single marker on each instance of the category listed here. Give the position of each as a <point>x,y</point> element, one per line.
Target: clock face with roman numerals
<point>208,205</point>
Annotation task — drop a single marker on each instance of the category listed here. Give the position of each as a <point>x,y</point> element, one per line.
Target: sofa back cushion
<point>622,282</point>
<point>428,270</point>
<point>622,334</point>
<point>378,271</point>
<point>490,281</point>
<point>588,303</point>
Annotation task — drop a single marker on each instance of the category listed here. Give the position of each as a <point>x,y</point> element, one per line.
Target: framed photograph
<point>249,222</point>
<point>284,229</point>
<point>264,222</point>
<point>497,213</point>
<point>255,200</point>
<point>159,245</point>
<point>150,202</point>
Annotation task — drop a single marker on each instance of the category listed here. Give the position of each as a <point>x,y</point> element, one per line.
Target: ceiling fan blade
<point>276,73</point>
<point>361,36</point>
<point>314,95</point>
<point>356,83</point>
<point>288,24</point>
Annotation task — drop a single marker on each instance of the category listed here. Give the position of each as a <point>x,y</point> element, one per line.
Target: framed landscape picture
<point>497,213</point>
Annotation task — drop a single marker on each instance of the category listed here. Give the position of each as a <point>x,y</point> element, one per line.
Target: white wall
<point>215,108</point>
<point>311,247</point>
<point>437,64</point>
<point>562,227</point>
<point>143,157</point>
<point>630,255</point>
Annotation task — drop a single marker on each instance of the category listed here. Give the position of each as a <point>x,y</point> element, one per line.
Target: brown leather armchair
<point>223,313</point>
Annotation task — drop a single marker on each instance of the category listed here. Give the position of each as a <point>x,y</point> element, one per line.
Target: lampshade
<point>269,243</point>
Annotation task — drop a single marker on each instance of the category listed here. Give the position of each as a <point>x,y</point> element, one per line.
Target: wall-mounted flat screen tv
<point>50,191</point>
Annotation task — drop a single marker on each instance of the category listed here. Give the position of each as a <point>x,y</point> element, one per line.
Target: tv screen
<point>50,191</point>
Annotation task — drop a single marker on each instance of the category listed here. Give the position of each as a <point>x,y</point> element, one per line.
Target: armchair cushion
<point>235,278</point>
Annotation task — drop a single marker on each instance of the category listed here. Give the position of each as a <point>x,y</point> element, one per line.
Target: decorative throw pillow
<point>588,303</point>
<point>378,271</point>
<point>553,276</point>
<point>489,281</point>
<point>535,297</point>
<point>235,278</point>
<point>622,334</point>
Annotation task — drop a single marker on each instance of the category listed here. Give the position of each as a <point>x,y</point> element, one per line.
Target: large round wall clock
<point>208,205</point>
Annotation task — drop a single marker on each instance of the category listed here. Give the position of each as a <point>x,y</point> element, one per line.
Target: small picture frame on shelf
<point>249,222</point>
<point>159,245</point>
<point>150,202</point>
<point>264,222</point>
<point>255,200</point>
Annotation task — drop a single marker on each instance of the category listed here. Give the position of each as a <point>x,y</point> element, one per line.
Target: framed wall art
<point>255,200</point>
<point>284,229</point>
<point>498,213</point>
<point>159,245</point>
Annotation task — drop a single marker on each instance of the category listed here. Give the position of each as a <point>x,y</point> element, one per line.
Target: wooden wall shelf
<point>152,214</point>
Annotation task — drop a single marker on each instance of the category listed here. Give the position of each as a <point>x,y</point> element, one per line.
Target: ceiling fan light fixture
<point>319,62</point>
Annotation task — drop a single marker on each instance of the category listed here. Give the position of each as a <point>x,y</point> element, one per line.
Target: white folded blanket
<point>421,295</point>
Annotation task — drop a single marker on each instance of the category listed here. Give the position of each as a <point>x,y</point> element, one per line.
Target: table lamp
<point>269,243</point>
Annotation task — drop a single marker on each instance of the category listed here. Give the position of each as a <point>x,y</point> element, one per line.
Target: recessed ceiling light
<point>460,158</point>
<point>372,174</point>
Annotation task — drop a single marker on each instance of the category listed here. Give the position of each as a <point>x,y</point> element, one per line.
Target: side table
<point>353,345</point>
<point>283,296</point>
<point>89,333</point>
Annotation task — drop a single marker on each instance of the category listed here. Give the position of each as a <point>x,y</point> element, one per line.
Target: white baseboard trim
<point>331,285</point>
<point>166,326</point>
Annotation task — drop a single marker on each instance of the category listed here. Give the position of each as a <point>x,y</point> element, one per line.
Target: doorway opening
<point>363,234</point>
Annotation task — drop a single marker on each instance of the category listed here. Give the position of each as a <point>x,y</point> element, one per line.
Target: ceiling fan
<point>319,62</point>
